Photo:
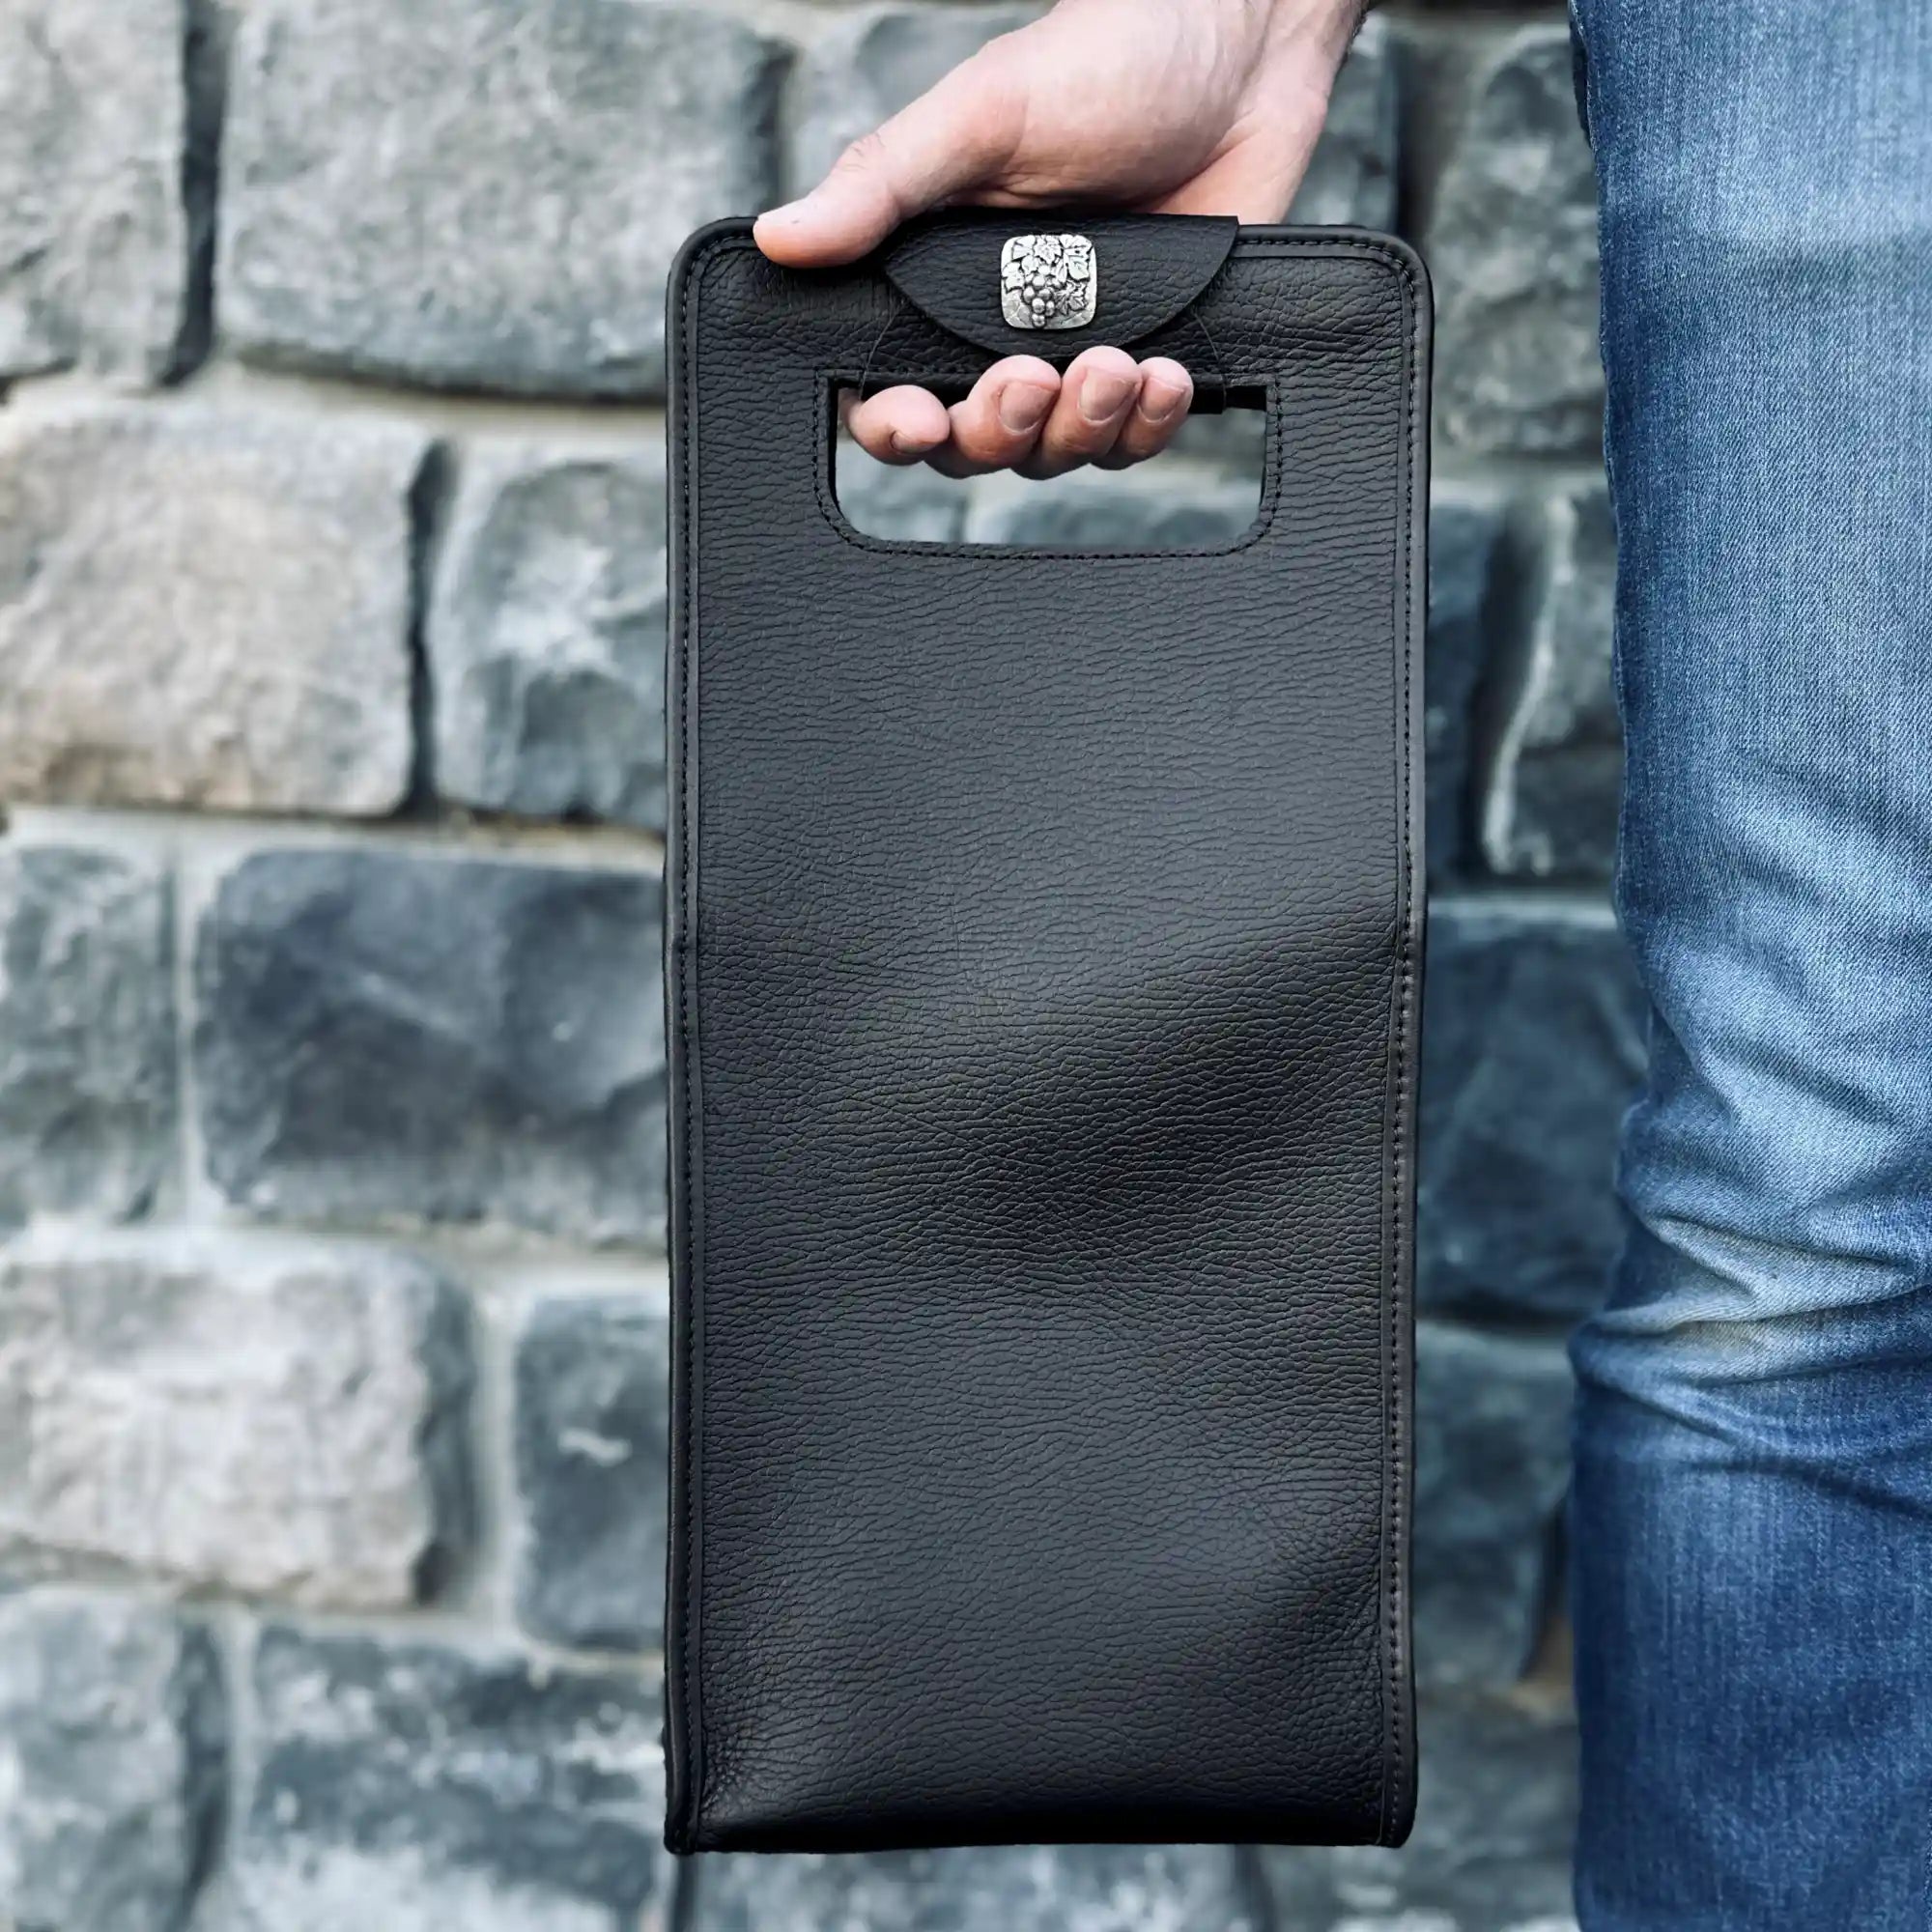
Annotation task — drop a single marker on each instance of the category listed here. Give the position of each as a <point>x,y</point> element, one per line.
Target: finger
<point>1097,396</point>
<point>951,138</point>
<point>1166,391</point>
<point>902,425</point>
<point>998,424</point>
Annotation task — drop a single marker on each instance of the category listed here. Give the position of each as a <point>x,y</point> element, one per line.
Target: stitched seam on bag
<point>1264,515</point>
<point>690,1718</point>
<point>1392,1526</point>
<point>1392,1539</point>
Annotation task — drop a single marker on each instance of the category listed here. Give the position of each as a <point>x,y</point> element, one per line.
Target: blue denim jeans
<point>1753,1512</point>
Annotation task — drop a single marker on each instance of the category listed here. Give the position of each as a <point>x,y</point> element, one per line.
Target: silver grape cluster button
<point>1048,281</point>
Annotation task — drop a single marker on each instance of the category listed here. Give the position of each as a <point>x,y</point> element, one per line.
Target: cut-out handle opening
<point>1203,492</point>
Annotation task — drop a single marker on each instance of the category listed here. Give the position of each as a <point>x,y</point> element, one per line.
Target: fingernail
<point>1160,401</point>
<point>787,211</point>
<point>1104,395</point>
<point>910,445</point>
<point>1023,406</point>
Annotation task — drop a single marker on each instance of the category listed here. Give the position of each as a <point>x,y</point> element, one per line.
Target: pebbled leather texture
<point>1044,948</point>
<point>1152,266</point>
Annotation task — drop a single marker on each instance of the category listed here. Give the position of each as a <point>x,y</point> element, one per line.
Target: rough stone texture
<point>546,636</point>
<point>391,1037</point>
<point>1492,1459</point>
<point>1533,1045</point>
<point>1167,504</point>
<point>414,1789</point>
<point>482,192</point>
<point>1351,176</point>
<point>1209,496</point>
<point>1029,1889</point>
<point>284,1421</point>
<point>1465,532</point>
<point>910,506</point>
<point>1232,441</point>
<point>205,606</point>
<point>1511,239</point>
<point>592,1439</point>
<point>1490,1851</point>
<point>87,1033</point>
<point>1556,760</point>
<point>866,67</point>
<point>94,234</point>
<point>112,1748</point>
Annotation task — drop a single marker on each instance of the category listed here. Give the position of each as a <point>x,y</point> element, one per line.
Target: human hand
<point>1178,107</point>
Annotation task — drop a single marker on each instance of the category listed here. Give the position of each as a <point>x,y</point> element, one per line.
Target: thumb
<point>956,136</point>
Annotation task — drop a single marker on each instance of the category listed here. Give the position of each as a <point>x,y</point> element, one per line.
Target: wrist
<point>1331,24</point>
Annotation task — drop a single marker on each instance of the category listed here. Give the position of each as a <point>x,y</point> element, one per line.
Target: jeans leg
<point>1752,1510</point>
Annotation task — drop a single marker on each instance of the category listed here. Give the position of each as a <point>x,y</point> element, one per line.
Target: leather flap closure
<point>1142,272</point>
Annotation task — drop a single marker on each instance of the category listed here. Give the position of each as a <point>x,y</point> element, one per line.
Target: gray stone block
<point>1511,238</point>
<point>87,1033</point>
<point>398,1038</point>
<point>1467,523</point>
<point>1233,442</point>
<point>205,606</point>
<point>94,234</point>
<point>864,69</point>
<point>284,1422</point>
<point>414,1789</point>
<point>1166,504</point>
<point>546,636</point>
<point>1492,1462</point>
<point>1027,1888</point>
<point>1555,765</point>
<point>1351,175</point>
<point>913,505</point>
<point>592,1445</point>
<point>481,193</point>
<point>111,1746</point>
<point>1533,1045</point>
<point>1490,1851</point>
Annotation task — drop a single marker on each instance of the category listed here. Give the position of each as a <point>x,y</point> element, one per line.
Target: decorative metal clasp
<point>1049,281</point>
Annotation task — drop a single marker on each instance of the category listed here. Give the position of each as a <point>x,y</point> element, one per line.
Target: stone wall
<point>333,1302</point>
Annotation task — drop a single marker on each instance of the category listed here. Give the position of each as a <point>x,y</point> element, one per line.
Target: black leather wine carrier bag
<point>1044,935</point>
